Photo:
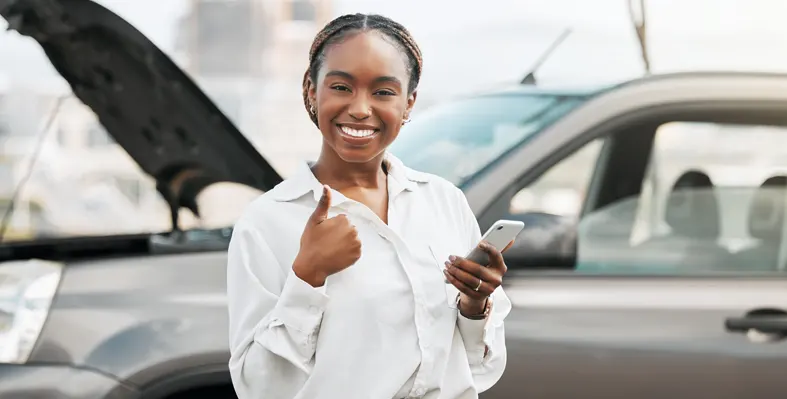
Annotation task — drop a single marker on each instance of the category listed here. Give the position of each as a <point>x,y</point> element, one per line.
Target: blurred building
<point>250,55</point>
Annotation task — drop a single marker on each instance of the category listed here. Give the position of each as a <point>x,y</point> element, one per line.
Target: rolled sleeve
<point>485,342</point>
<point>479,336</point>
<point>274,318</point>
<point>474,334</point>
<point>300,306</point>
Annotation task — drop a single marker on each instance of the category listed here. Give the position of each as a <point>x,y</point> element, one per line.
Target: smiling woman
<point>344,280</point>
<point>372,64</point>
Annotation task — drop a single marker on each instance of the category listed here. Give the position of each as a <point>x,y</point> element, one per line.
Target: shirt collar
<point>303,181</point>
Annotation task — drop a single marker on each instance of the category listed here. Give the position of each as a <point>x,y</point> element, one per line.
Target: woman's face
<point>361,95</point>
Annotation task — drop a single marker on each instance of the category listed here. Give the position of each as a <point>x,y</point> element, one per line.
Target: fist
<point>328,245</point>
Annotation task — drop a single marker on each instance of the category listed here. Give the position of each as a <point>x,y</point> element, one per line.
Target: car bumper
<point>59,382</point>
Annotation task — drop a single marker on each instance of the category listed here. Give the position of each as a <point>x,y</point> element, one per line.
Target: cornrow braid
<point>340,27</point>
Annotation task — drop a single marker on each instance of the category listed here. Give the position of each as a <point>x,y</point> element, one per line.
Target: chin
<point>358,156</point>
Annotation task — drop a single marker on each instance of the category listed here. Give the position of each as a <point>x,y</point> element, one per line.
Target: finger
<point>507,246</point>
<point>470,281</point>
<point>462,287</point>
<point>469,266</point>
<point>321,211</point>
<point>495,257</point>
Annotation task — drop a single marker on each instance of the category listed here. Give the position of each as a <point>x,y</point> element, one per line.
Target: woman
<point>335,277</point>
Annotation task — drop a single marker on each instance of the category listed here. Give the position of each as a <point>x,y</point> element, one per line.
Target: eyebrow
<point>348,76</point>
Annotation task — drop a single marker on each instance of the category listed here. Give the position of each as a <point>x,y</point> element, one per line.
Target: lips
<point>360,133</point>
<point>357,135</point>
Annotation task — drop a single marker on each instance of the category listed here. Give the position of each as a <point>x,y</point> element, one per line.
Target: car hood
<point>146,102</point>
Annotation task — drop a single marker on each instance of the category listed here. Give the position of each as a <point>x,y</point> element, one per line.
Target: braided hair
<point>340,27</point>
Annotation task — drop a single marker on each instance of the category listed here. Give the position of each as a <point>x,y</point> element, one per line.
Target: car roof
<point>591,90</point>
<point>533,90</point>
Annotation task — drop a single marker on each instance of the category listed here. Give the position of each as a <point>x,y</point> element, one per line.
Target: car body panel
<point>60,382</point>
<point>141,318</point>
<point>622,337</point>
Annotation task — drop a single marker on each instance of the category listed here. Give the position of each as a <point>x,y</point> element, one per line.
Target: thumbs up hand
<point>328,245</point>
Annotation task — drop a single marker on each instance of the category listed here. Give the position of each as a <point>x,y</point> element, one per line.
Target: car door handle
<point>764,324</point>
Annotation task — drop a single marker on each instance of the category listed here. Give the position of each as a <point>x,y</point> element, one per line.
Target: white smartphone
<point>499,235</point>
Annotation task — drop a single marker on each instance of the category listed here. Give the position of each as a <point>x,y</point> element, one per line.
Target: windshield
<point>458,139</point>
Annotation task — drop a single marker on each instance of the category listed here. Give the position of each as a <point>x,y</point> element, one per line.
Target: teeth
<point>357,133</point>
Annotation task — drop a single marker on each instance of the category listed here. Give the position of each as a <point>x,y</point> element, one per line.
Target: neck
<point>332,170</point>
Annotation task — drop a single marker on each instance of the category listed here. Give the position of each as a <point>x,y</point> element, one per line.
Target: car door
<point>675,285</point>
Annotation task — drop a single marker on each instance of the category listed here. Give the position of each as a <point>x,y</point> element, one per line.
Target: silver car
<point>664,274</point>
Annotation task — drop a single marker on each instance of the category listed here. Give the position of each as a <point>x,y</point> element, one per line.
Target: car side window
<point>713,200</point>
<point>561,190</point>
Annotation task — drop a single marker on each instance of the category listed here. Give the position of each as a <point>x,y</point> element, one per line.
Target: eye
<point>385,93</point>
<point>340,88</point>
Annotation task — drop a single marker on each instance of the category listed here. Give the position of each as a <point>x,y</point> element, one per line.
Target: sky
<point>469,45</point>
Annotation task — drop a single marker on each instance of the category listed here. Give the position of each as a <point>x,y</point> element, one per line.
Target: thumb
<point>495,257</point>
<point>321,211</point>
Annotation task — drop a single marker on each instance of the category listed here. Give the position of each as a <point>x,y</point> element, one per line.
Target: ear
<point>312,92</point>
<point>410,103</point>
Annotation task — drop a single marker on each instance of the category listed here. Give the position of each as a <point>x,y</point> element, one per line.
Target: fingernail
<point>452,258</point>
<point>447,264</point>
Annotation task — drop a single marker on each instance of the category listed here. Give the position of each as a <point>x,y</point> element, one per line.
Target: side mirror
<point>547,242</point>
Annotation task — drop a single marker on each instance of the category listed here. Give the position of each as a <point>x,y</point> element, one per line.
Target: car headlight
<point>26,292</point>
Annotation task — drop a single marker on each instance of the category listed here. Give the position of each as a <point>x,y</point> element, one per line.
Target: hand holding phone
<point>499,236</point>
<point>476,276</point>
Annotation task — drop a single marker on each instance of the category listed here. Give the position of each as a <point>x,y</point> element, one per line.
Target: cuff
<point>300,305</point>
<point>476,335</point>
<point>473,332</point>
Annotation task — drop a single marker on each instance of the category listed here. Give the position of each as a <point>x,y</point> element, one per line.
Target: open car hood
<point>146,102</point>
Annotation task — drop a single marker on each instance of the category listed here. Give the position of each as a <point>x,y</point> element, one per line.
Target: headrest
<point>766,212</point>
<point>692,208</point>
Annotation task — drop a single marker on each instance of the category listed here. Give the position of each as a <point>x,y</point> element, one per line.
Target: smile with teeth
<point>357,133</point>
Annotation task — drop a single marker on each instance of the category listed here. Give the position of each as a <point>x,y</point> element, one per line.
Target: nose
<point>360,107</point>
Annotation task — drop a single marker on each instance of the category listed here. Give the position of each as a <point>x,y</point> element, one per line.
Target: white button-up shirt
<point>385,327</point>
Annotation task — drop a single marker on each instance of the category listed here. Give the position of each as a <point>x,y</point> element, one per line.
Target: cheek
<point>329,101</point>
<point>391,112</point>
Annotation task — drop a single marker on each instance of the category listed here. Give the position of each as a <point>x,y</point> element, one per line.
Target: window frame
<point>730,111</point>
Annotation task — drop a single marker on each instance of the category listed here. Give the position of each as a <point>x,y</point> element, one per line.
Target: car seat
<point>692,213</point>
<point>765,223</point>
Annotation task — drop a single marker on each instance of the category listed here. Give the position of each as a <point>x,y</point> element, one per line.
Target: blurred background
<point>249,56</point>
